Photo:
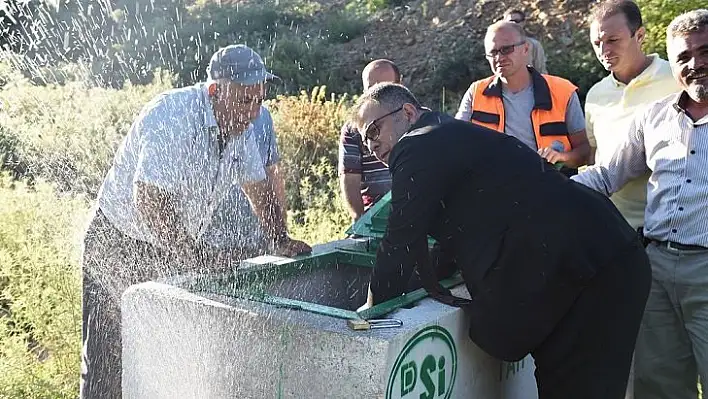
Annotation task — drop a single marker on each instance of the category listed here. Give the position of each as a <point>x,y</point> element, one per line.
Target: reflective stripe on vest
<point>549,124</point>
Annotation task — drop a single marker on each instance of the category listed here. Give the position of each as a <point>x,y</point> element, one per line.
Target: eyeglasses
<point>505,50</point>
<point>372,130</point>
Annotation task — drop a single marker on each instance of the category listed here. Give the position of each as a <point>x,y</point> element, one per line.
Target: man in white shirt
<point>183,158</point>
<point>635,80</point>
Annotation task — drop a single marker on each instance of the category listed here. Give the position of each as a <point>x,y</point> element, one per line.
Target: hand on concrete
<point>290,247</point>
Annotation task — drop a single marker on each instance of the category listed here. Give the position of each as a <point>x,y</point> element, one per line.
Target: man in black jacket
<point>552,267</point>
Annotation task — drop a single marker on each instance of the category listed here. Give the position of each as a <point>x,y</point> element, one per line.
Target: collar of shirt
<point>208,114</point>
<point>679,105</point>
<point>646,75</point>
<point>429,118</point>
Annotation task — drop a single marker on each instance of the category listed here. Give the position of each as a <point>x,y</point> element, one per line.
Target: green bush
<point>68,133</point>
<point>40,306</point>
<point>371,6</point>
<point>325,218</point>
<point>342,27</point>
<point>462,63</point>
<point>657,15</point>
<point>308,130</point>
<point>135,38</point>
<point>578,64</point>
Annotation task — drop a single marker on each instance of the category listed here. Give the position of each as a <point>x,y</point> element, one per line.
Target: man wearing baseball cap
<point>193,187</point>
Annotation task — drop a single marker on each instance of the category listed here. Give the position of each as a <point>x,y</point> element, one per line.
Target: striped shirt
<point>355,157</point>
<point>667,142</point>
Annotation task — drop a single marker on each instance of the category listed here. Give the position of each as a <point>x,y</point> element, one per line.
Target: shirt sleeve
<point>248,164</point>
<point>161,149</point>
<point>417,189</point>
<point>589,125</point>
<point>539,57</point>
<point>464,111</point>
<point>627,162</point>
<point>266,138</point>
<point>574,117</point>
<point>349,150</point>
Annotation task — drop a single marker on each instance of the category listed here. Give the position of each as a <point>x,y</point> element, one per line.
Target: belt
<point>678,247</point>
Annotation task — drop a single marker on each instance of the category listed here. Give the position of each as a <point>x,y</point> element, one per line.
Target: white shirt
<point>173,145</point>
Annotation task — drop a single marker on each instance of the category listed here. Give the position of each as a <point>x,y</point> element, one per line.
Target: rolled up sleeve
<point>249,166</point>
<point>574,117</point>
<point>266,139</point>
<point>350,151</point>
<point>161,151</point>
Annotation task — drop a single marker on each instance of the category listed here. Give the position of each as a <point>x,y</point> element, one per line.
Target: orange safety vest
<point>551,97</point>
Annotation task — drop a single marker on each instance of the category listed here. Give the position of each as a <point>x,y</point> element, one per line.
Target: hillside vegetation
<point>72,79</point>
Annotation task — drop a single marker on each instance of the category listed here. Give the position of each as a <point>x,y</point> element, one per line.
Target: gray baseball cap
<point>240,64</point>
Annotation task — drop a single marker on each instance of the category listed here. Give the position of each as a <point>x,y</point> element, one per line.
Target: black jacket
<point>525,238</point>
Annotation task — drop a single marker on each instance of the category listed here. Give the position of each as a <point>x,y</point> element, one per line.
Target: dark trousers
<point>111,262</point>
<point>589,354</point>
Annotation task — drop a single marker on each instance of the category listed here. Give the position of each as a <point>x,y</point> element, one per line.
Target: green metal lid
<point>373,222</point>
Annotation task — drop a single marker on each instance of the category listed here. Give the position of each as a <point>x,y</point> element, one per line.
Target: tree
<point>657,15</point>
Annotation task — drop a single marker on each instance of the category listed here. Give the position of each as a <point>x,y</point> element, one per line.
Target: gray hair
<point>387,95</point>
<point>499,25</point>
<point>686,23</point>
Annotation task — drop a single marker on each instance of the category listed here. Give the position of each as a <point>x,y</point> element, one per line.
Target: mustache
<point>692,74</point>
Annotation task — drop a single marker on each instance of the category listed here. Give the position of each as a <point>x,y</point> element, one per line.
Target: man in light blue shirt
<point>234,226</point>
<point>194,162</point>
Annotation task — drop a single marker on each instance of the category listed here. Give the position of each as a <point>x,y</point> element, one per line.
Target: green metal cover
<point>372,223</point>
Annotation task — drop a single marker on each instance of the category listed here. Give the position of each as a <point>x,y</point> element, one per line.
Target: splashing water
<point>59,123</point>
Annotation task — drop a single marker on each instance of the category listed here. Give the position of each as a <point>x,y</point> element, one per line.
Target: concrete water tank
<point>288,328</point>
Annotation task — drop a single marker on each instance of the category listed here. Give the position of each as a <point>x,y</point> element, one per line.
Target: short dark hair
<point>692,21</point>
<point>388,95</point>
<point>513,11</point>
<point>628,8</point>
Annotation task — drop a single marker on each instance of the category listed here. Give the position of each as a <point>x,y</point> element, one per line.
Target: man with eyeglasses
<point>537,56</point>
<point>542,111</point>
<point>552,268</point>
<point>192,156</point>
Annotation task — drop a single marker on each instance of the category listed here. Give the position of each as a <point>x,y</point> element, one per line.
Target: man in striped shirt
<point>670,140</point>
<point>363,178</point>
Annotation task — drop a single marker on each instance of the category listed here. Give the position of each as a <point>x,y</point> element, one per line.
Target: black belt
<point>679,247</point>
